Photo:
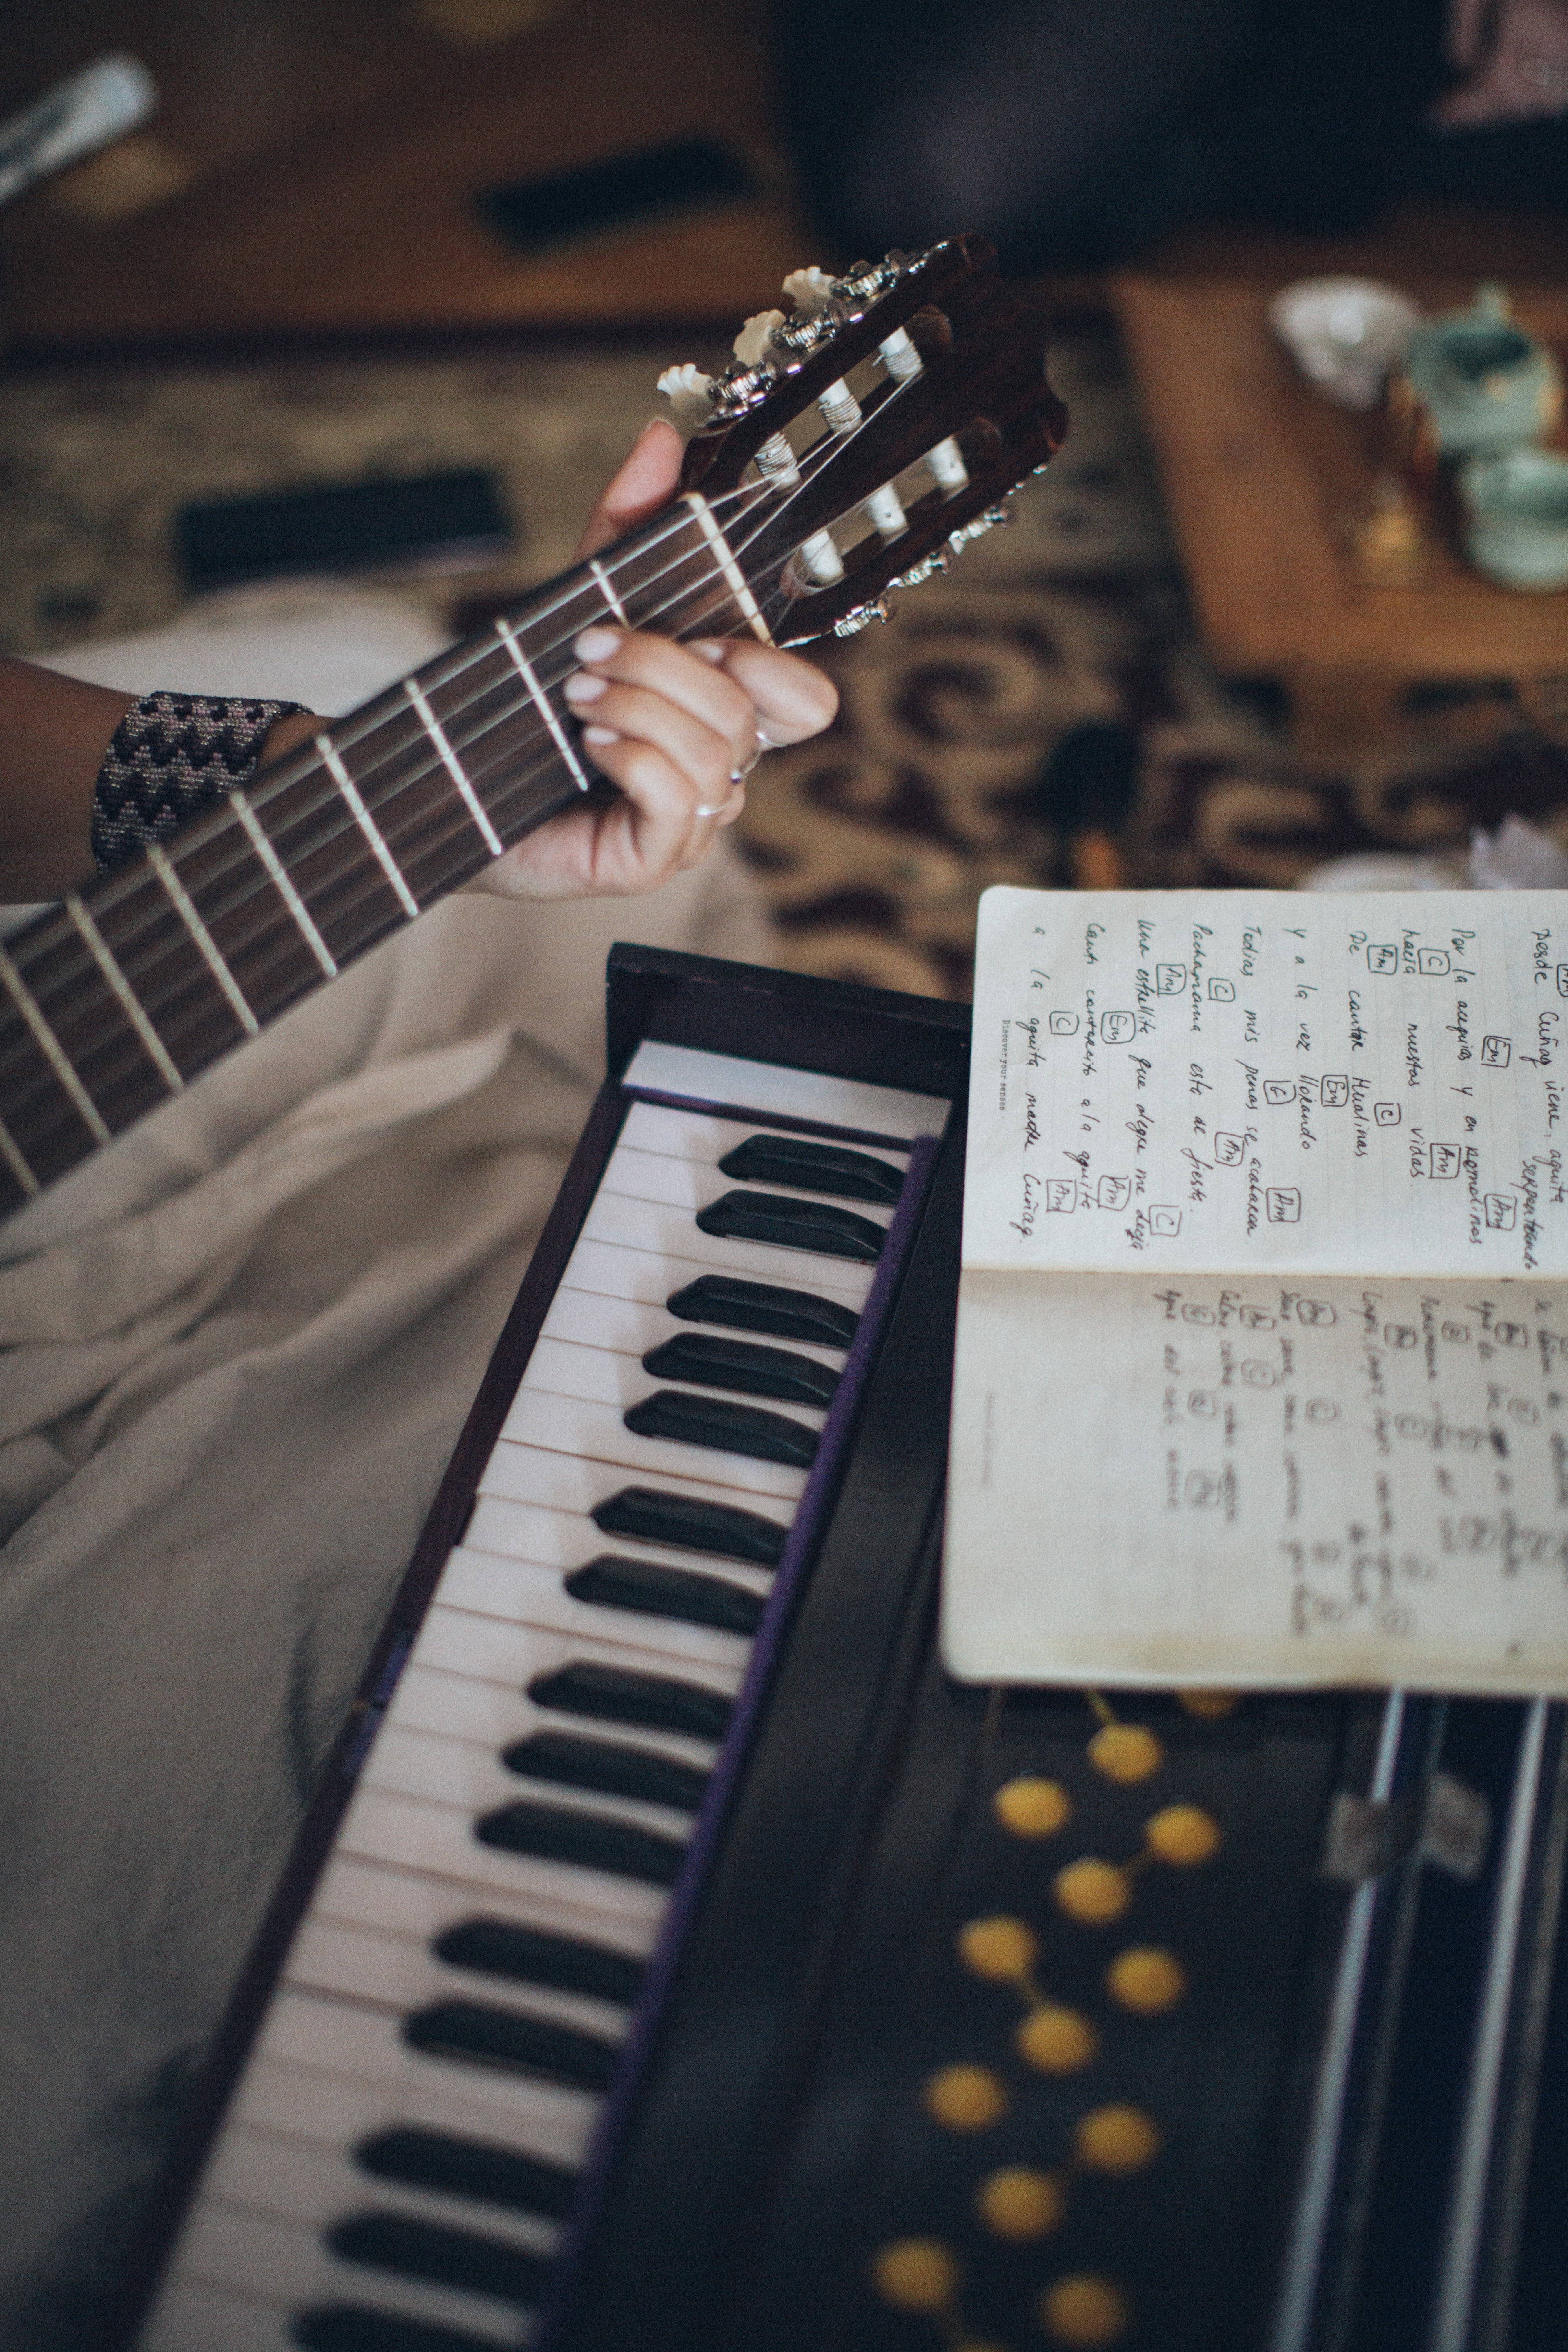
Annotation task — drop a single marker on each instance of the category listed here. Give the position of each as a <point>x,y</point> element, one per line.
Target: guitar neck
<point>123,995</point>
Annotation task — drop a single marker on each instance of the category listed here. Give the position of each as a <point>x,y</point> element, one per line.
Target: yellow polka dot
<point>1208,1706</point>
<point>1182,1835</point>
<point>1057,2040</point>
<point>916,2274</point>
<point>1000,1950</point>
<point>1126,1752</point>
<point>1118,2140</point>
<point>965,2098</point>
<point>1032,1808</point>
<point>1092,1892</point>
<point>1020,2204</point>
<point>1145,1979</point>
<point>1083,2312</point>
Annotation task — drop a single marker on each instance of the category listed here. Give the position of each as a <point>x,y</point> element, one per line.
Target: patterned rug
<point>873,844</point>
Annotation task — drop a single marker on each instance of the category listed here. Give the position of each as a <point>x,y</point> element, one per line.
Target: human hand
<point>673,726</point>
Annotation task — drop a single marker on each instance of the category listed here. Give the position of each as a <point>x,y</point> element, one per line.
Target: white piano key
<point>689,1184</point>
<point>268,2173</point>
<point>191,2315</point>
<point>767,1086</point>
<point>462,1773</point>
<point>419,1906</point>
<point>600,1376</point>
<point>568,1482</point>
<point>652,1276</point>
<point>532,1595</point>
<point>337,2111</point>
<point>596,1433</point>
<point>382,1826</point>
<point>267,2255</point>
<point>493,1651</point>
<point>632,1329</point>
<point>700,1137</point>
<point>404,1976</point>
<point>673,1234</point>
<point>488,1716</point>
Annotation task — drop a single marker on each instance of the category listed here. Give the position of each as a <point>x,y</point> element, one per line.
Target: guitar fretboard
<point>115,1000</point>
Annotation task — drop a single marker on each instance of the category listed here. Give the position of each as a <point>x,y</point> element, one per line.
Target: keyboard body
<point>675,1958</point>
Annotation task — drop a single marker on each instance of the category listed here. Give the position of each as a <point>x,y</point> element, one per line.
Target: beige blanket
<point>241,1345</point>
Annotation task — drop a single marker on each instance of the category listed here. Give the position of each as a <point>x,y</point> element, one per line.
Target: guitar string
<point>810,462</point>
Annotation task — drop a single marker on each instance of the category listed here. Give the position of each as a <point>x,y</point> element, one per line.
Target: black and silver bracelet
<point>173,755</point>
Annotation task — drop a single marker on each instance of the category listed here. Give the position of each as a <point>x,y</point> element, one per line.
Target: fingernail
<point>596,644</point>
<point>706,650</point>
<point>600,735</point>
<point>581,687</point>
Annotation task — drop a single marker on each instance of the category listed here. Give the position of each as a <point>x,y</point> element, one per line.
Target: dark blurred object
<point>429,522</point>
<point>536,213</point>
<point>1086,790</point>
<point>103,102</point>
<point>1076,132</point>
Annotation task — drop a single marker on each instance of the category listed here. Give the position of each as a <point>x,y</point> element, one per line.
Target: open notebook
<point>1262,1370</point>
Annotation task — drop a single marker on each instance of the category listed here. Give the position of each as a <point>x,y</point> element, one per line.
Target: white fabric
<point>241,1345</point>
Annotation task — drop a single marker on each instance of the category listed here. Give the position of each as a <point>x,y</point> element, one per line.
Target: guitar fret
<point>286,890</point>
<point>157,857</point>
<point>438,735</point>
<point>130,1003</point>
<point>739,586</point>
<point>525,669</point>
<point>606,589</point>
<point>16,1163</point>
<point>53,1052</point>
<point>367,825</point>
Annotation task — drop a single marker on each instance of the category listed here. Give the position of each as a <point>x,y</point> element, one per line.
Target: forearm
<point>54,735</point>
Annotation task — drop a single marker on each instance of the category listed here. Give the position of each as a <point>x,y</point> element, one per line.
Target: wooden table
<point>1265,480</point>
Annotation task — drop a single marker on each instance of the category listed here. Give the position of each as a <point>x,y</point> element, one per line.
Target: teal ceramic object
<point>1517,503</point>
<point>1482,381</point>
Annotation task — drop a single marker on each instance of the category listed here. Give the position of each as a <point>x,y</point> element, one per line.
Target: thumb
<point>646,482</point>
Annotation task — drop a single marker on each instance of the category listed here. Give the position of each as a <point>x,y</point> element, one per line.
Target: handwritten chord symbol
<point>1197,1314</point>
<point>1283,1203</point>
<point>1222,992</point>
<point>1315,1311</point>
<point>1061,1195</point>
<point>1322,1409</point>
<point>1334,1091</point>
<point>1118,1028</point>
<point>1228,1149</point>
<point>1443,1160</point>
<point>1383,959</point>
<point>1385,1113</point>
<point>1257,1374</point>
<point>1279,1090</point>
<point>1496,1052</point>
<point>1063,1025</point>
<point>1503,1212</point>
<point>1434,961</point>
<point>1200,1489</point>
<point>1170,979</point>
<point>1399,1335</point>
<point>1113,1192</point>
<point>1458,1332</point>
<point>1255,1319</point>
<point>1166,1221</point>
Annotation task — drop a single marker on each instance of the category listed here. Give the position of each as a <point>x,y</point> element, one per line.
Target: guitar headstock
<point>862,437</point>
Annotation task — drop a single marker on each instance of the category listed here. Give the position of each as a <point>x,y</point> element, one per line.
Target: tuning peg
<point>688,392</point>
<point>808,289</point>
<point>752,341</point>
<point>860,616</point>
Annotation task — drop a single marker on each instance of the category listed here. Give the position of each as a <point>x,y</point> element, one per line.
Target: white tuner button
<point>840,407</point>
<point>946,465</point>
<point>822,559</point>
<point>885,510</point>
<point>902,359</point>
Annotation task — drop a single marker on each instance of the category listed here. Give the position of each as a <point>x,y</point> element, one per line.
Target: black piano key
<point>621,1694</point>
<point>724,1427</point>
<point>682,1594</point>
<point>446,2257</point>
<point>813,1168</point>
<point>741,1365</point>
<point>792,1224</point>
<point>501,2037</point>
<point>468,2168</point>
<point>494,1947</point>
<point>738,1306</point>
<point>605,1766</point>
<point>687,1524</point>
<point>550,1833</point>
<point>351,2327</point>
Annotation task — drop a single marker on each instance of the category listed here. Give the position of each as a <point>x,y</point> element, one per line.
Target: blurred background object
<point>101,103</point>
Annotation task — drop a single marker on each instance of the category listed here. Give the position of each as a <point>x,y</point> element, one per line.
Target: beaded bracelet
<point>173,755</point>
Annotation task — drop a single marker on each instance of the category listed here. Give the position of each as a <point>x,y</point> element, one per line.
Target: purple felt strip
<point>782,1119</point>
<point>800,1546</point>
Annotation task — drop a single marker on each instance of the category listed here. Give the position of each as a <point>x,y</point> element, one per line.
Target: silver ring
<point>738,775</point>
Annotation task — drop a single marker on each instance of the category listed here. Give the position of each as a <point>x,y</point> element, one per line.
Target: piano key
<point>382,1826</point>
<point>763,1307</point>
<point>767,1090</point>
<point>445,1733</point>
<point>472,1782</point>
<point>420,1904</point>
<point>354,2327</point>
<point>812,1167</point>
<point>653,1229</point>
<point>194,2316</point>
<point>265,2172</point>
<point>805,1225</point>
<point>689,1523</point>
<point>631,1326</point>
<point>482,2172</point>
<point>708,1361</point>
<point>588,1841</point>
<point>478,2034</point>
<point>705,1139</point>
<point>288,2261</point>
<point>596,1433</point>
<point>687,1417</point>
<point>683,1595</point>
<point>491,1650</point>
<point>549,1481</point>
<point>614,1694</point>
<point>650,1278</point>
<point>333,2110</point>
<point>329,1956</point>
<point>561,1368</point>
<point>527,1955</point>
<point>652,1177</point>
<point>606,1768</point>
